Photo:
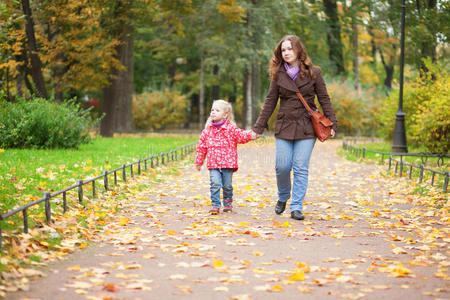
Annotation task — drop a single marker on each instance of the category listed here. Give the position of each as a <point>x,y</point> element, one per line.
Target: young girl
<point>218,142</point>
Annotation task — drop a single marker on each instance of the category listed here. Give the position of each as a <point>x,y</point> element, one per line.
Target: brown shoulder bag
<point>322,125</point>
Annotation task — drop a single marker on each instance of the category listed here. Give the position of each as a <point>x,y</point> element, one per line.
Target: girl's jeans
<point>293,155</point>
<point>221,179</point>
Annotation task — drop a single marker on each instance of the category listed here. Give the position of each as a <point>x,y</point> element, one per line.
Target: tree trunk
<point>216,87</point>
<point>124,103</point>
<point>117,97</point>
<point>389,69</point>
<point>256,91</point>
<point>428,48</point>
<point>249,98</point>
<point>201,101</point>
<point>334,36</point>
<point>36,65</point>
<point>355,52</point>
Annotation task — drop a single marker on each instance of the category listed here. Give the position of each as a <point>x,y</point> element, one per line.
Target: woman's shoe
<point>280,207</point>
<point>297,215</point>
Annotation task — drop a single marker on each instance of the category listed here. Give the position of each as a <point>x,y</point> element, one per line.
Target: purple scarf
<point>219,124</point>
<point>292,71</point>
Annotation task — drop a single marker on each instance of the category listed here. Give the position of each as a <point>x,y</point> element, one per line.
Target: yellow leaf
<point>277,288</point>
<point>285,224</point>
<point>257,253</point>
<point>74,268</point>
<point>83,245</point>
<point>300,275</point>
<point>123,221</point>
<point>243,224</point>
<point>217,263</point>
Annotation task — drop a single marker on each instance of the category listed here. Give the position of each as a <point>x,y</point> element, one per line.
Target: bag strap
<point>304,103</point>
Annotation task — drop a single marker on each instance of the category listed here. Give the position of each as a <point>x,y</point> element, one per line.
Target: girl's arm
<point>242,136</point>
<point>202,149</point>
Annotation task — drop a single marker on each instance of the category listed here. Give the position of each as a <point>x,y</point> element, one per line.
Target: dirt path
<point>362,239</point>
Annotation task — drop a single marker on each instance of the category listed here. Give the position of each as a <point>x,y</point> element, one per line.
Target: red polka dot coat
<point>219,145</point>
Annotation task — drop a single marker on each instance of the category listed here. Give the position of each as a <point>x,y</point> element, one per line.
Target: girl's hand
<point>198,167</point>
<point>254,135</point>
<point>333,133</point>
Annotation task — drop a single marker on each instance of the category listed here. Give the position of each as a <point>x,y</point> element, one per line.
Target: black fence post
<point>25,220</point>
<point>115,177</point>
<point>364,152</point>
<point>124,173</point>
<point>446,181</point>
<point>48,209</point>
<point>131,170</point>
<point>151,162</point>
<point>432,178</point>
<point>80,190</point>
<point>139,167</point>
<point>421,173</point>
<point>64,202</point>
<point>93,189</point>
<point>162,158</point>
<point>105,180</point>
<point>401,168</point>
<point>390,162</point>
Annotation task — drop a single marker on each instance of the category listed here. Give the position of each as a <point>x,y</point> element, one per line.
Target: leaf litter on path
<point>365,235</point>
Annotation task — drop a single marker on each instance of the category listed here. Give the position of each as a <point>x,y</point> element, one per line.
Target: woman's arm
<point>269,106</point>
<point>324,98</point>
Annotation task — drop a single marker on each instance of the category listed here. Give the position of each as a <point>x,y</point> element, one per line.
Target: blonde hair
<point>227,108</point>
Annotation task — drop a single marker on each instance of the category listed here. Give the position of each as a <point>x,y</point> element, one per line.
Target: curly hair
<point>276,61</point>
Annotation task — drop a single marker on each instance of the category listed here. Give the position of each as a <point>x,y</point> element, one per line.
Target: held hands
<point>254,135</point>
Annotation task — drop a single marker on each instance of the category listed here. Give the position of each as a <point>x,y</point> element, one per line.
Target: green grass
<point>430,163</point>
<point>25,174</point>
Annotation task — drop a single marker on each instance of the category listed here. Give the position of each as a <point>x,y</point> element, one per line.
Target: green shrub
<point>426,105</point>
<point>159,109</point>
<point>39,123</point>
<point>354,109</point>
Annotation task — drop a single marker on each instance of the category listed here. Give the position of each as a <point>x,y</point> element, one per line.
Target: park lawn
<point>25,174</point>
<point>431,162</point>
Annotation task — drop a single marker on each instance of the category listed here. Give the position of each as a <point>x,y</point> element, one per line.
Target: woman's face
<point>218,114</point>
<point>288,53</point>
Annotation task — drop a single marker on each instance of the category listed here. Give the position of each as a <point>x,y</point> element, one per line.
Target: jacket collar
<point>286,82</point>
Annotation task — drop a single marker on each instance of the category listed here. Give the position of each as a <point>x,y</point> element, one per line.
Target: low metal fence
<point>400,164</point>
<point>151,161</point>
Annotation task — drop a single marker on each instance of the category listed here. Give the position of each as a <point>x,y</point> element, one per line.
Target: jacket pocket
<point>279,122</point>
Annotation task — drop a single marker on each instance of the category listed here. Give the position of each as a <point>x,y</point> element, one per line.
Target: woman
<point>291,70</point>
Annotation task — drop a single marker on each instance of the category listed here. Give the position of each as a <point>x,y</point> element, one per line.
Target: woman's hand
<point>333,133</point>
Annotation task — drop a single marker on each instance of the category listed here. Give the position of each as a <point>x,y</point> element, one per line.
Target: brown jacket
<point>293,121</point>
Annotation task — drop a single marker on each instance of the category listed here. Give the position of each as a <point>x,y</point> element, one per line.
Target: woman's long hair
<point>305,63</point>
<point>227,108</point>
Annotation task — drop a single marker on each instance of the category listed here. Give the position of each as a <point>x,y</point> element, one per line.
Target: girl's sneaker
<point>214,211</point>
<point>228,208</point>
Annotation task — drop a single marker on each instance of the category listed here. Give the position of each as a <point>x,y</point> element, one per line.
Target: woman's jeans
<point>293,155</point>
<point>221,179</point>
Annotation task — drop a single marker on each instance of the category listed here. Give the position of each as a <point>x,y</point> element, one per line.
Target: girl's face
<point>288,53</point>
<point>218,113</point>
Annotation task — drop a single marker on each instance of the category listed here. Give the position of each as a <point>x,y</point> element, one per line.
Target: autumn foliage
<point>159,109</point>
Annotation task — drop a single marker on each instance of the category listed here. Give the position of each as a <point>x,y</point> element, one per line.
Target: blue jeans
<point>221,179</point>
<point>293,155</point>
